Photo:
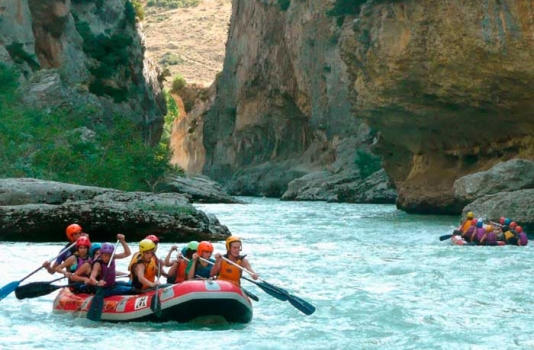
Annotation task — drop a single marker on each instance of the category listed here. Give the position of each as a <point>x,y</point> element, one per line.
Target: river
<point>379,278</point>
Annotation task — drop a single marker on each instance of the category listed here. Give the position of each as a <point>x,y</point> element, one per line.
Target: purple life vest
<point>523,239</point>
<point>491,238</point>
<point>107,273</point>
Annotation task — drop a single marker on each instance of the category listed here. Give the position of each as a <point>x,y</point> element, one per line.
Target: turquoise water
<point>379,278</point>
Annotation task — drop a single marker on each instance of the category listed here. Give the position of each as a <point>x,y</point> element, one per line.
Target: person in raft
<point>75,263</point>
<point>176,273</point>
<point>104,276</point>
<point>145,269</point>
<point>73,231</point>
<point>200,268</point>
<point>226,271</point>
<point>468,222</point>
<point>469,232</point>
<point>137,255</point>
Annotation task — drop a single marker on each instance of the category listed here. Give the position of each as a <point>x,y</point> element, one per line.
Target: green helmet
<point>193,245</point>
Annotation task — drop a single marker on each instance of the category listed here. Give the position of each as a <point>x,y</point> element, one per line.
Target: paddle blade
<point>444,237</point>
<point>35,289</point>
<point>272,291</point>
<point>97,304</point>
<point>8,289</point>
<point>301,304</point>
<point>155,305</point>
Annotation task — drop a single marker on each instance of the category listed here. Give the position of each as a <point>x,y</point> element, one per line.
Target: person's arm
<point>66,264</point>
<point>78,275</point>
<point>95,272</point>
<point>192,268</point>
<point>125,246</point>
<point>217,266</point>
<point>247,266</point>
<point>168,261</point>
<point>140,273</point>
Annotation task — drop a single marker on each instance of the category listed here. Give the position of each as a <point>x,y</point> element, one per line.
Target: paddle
<point>155,305</point>
<point>37,289</point>
<point>10,287</point>
<point>277,292</point>
<point>444,237</point>
<point>97,304</point>
<point>246,292</point>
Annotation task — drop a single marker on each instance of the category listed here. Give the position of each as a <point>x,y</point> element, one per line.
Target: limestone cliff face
<point>83,55</point>
<point>281,108</point>
<point>448,85</point>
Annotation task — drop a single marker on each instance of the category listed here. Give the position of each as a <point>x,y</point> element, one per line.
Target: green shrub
<point>20,56</point>
<point>284,4</point>
<point>139,9</point>
<point>50,147</point>
<point>178,83</point>
<point>346,7</point>
<point>367,163</point>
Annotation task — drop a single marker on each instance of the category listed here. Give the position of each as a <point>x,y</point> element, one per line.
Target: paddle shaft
<point>50,261</point>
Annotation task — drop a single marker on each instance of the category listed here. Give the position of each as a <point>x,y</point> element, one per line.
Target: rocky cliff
<point>83,56</point>
<point>448,86</point>
<point>281,109</point>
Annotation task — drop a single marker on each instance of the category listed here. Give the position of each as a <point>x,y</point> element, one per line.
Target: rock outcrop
<point>448,86</point>
<point>281,109</point>
<point>37,210</point>
<point>84,57</point>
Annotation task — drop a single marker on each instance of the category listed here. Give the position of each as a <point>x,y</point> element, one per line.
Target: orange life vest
<point>180,271</point>
<point>229,272</point>
<point>151,270</point>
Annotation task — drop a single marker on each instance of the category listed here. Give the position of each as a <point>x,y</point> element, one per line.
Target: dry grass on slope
<point>190,41</point>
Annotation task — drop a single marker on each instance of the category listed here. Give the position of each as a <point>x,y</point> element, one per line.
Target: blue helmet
<point>507,221</point>
<point>94,246</point>
<point>479,223</point>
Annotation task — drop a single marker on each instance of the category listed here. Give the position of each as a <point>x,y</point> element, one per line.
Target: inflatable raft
<point>458,240</point>
<point>181,302</point>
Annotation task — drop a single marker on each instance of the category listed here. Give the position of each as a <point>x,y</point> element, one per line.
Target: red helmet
<point>83,242</point>
<point>204,246</point>
<point>513,225</point>
<point>474,221</point>
<point>518,229</point>
<point>72,230</point>
<point>501,220</point>
<point>153,238</point>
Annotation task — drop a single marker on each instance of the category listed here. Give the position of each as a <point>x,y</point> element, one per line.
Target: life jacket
<point>467,234</point>
<point>478,234</point>
<point>200,270</point>
<point>79,262</point>
<point>229,272</point>
<point>510,237</point>
<point>65,255</point>
<point>468,223</point>
<point>151,269</point>
<point>180,271</point>
<point>523,239</point>
<point>107,273</point>
<point>135,257</point>
<point>491,238</point>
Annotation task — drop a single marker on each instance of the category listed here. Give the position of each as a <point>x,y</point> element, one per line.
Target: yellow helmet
<point>145,245</point>
<point>470,215</point>
<point>232,239</point>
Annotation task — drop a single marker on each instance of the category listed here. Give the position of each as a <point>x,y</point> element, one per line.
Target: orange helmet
<point>72,230</point>
<point>489,228</point>
<point>518,229</point>
<point>204,246</point>
<point>231,240</point>
<point>83,242</point>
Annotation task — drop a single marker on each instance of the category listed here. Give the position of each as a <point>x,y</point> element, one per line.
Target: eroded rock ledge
<point>38,210</point>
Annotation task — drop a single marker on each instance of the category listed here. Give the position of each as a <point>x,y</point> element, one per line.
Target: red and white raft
<point>183,302</point>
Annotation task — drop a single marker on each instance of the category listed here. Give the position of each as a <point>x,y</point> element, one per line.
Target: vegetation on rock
<point>63,146</point>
